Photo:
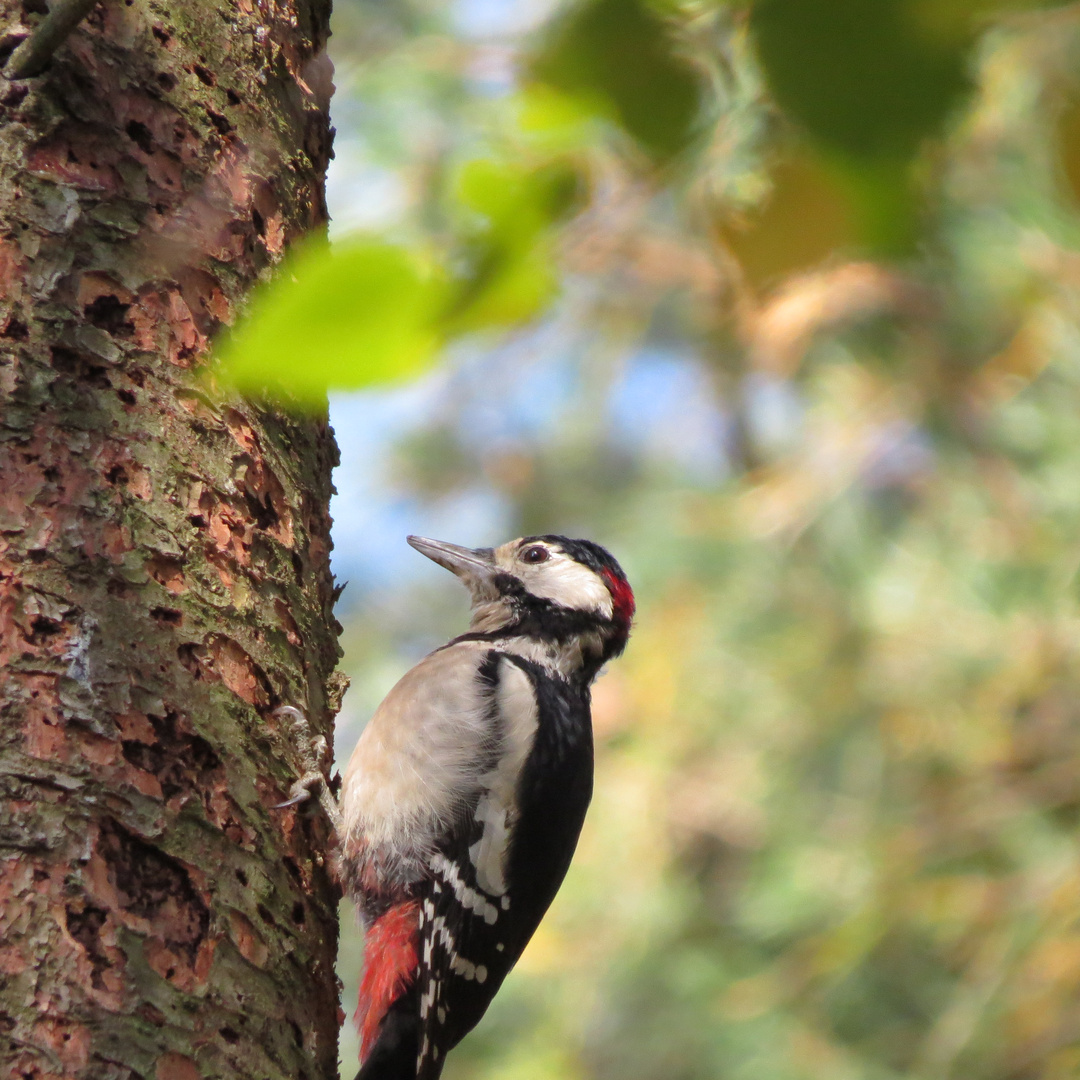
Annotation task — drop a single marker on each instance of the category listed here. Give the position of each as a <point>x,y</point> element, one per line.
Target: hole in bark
<point>297,1034</point>
<point>294,870</point>
<point>194,748</point>
<point>261,509</point>
<point>220,122</point>
<point>241,877</point>
<point>16,330</point>
<point>109,314</point>
<point>140,135</point>
<point>85,927</point>
<point>298,913</point>
<point>166,80</point>
<point>117,475</point>
<point>126,396</point>
<point>205,76</point>
<point>197,520</point>
<point>258,221</point>
<point>230,1036</point>
<point>154,886</point>
<point>187,654</point>
<point>72,363</point>
<point>180,761</point>
<point>16,94</point>
<point>41,629</point>
<point>232,97</point>
<point>167,615</point>
<point>51,473</point>
<point>265,915</point>
<point>37,555</point>
<point>163,35</point>
<point>298,567</point>
<point>8,45</point>
<point>35,7</point>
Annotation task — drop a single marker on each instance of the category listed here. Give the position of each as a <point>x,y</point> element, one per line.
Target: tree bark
<point>164,577</point>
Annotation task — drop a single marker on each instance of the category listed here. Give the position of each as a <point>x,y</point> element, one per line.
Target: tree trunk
<point>164,579</point>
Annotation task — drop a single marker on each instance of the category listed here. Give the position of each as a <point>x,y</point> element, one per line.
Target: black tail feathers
<point>393,1057</point>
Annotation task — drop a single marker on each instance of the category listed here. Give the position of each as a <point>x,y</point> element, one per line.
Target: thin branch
<point>30,58</point>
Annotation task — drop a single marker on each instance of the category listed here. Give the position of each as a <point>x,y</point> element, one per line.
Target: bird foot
<point>312,751</point>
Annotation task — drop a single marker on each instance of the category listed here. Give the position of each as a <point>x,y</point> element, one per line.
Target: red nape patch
<point>622,596</point>
<point>389,966</point>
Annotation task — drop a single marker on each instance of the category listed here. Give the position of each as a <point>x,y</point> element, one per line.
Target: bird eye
<point>535,555</point>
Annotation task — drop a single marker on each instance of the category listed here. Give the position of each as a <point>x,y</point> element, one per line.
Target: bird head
<point>548,588</point>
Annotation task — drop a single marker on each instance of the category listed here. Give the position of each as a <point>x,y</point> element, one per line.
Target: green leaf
<point>868,81</point>
<point>336,317</point>
<point>506,264</point>
<point>620,58</point>
<point>519,201</point>
<point>866,78</point>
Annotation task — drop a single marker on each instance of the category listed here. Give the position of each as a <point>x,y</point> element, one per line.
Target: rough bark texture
<point>164,577</point>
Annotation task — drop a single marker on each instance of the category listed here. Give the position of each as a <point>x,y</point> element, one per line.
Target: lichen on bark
<point>164,555</point>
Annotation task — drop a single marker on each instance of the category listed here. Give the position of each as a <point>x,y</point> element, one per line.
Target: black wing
<point>469,938</point>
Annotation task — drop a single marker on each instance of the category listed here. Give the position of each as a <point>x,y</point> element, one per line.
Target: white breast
<point>419,757</point>
<point>426,754</point>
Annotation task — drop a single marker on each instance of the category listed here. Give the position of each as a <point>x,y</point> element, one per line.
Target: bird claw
<point>300,792</point>
<point>312,750</point>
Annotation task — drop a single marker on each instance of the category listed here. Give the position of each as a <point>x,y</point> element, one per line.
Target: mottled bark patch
<point>164,573</point>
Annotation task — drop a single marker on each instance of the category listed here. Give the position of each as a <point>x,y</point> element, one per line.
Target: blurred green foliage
<point>364,311</point>
<point>360,312</point>
<point>838,780</point>
<point>621,58</point>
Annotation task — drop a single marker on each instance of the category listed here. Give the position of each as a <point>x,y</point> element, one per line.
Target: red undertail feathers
<point>390,962</point>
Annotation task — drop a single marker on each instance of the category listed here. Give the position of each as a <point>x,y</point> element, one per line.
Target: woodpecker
<point>462,803</point>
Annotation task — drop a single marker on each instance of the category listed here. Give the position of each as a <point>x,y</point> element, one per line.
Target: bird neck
<point>571,645</point>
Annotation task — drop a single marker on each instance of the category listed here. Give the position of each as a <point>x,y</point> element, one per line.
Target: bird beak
<point>475,566</point>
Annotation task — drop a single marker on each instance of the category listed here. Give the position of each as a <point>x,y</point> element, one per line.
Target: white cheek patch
<point>568,583</point>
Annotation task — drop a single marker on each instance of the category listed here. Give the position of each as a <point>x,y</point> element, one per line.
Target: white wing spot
<point>427,999</point>
<point>441,1014</point>
<point>465,968</point>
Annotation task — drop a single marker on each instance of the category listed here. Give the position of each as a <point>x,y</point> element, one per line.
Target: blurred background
<point>780,301</point>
